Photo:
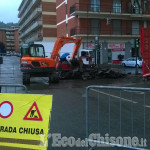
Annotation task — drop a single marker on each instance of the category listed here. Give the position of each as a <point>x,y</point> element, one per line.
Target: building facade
<point>37,20</point>
<point>108,27</point>
<point>10,38</point>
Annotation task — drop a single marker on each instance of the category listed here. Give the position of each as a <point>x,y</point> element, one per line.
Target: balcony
<point>9,33</point>
<point>23,7</point>
<point>34,26</point>
<point>34,15</point>
<point>27,11</point>
<point>8,44</point>
<point>103,32</point>
<point>11,44</point>
<point>10,37</point>
<point>33,39</point>
<point>8,47</point>
<point>102,11</point>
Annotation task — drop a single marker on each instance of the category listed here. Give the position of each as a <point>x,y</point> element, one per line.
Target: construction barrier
<point>13,88</point>
<point>10,70</point>
<point>117,117</point>
<point>24,119</point>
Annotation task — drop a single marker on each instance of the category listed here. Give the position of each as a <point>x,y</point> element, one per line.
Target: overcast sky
<point>9,10</point>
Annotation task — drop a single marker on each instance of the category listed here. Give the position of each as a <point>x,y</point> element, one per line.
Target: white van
<point>87,56</point>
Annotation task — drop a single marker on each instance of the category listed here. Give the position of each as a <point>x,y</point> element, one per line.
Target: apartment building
<point>2,38</point>
<point>10,38</point>
<point>37,21</point>
<point>108,27</point>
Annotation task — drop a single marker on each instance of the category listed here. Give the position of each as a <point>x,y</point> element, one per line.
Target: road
<point>68,111</point>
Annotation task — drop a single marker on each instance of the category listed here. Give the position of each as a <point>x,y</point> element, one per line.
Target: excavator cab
<point>24,50</point>
<point>34,50</point>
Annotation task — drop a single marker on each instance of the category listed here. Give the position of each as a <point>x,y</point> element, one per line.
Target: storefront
<point>116,53</point>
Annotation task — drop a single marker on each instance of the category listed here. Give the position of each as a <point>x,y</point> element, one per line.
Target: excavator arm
<point>76,48</point>
<point>60,42</point>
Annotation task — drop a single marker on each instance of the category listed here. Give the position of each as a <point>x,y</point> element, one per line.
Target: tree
<point>7,25</point>
<point>2,46</point>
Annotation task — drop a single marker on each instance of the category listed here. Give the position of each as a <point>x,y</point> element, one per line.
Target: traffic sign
<point>33,114</point>
<point>6,109</point>
<point>24,121</point>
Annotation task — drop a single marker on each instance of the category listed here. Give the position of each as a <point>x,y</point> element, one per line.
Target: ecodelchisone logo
<point>6,109</point>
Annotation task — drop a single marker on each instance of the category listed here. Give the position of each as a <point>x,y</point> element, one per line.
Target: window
<point>117,6</point>
<point>24,51</point>
<point>133,59</point>
<point>117,27</point>
<point>135,28</point>
<point>37,51</point>
<point>84,54</point>
<point>140,58</point>
<point>91,53</point>
<point>95,26</point>
<point>95,5</point>
<point>145,5</point>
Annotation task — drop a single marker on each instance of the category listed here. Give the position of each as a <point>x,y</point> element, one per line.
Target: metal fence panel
<point>13,88</point>
<point>118,112</point>
<point>10,70</point>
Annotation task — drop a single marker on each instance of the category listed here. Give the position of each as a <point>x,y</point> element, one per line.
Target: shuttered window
<point>95,26</point>
<point>117,27</point>
<point>95,5</point>
<point>117,6</point>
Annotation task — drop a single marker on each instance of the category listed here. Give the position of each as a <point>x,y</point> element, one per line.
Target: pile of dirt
<point>91,73</point>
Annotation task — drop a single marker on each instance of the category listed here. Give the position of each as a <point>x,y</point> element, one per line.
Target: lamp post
<point>97,51</point>
<point>137,45</point>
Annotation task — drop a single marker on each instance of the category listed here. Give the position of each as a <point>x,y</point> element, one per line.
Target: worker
<point>80,63</point>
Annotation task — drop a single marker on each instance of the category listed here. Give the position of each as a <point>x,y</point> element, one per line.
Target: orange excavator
<point>35,64</point>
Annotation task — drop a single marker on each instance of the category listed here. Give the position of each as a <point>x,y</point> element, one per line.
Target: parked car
<point>8,54</point>
<point>18,54</point>
<point>131,62</point>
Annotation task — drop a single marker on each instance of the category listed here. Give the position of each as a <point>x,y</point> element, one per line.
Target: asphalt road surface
<point>68,110</point>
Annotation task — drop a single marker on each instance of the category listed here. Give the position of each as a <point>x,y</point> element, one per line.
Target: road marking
<point>124,99</point>
<point>134,92</point>
<point>117,145</point>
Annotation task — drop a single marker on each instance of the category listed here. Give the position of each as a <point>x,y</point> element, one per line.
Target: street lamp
<point>137,45</point>
<point>97,51</point>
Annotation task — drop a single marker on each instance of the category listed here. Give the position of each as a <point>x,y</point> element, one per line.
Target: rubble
<point>110,73</point>
<point>91,73</point>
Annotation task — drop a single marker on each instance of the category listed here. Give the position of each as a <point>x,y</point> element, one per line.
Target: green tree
<point>2,46</point>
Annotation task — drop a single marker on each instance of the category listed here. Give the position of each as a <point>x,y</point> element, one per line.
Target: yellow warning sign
<point>24,121</point>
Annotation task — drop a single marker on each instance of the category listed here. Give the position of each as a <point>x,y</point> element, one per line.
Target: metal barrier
<point>13,88</point>
<point>11,76</point>
<point>10,70</point>
<point>10,67</point>
<point>117,117</point>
